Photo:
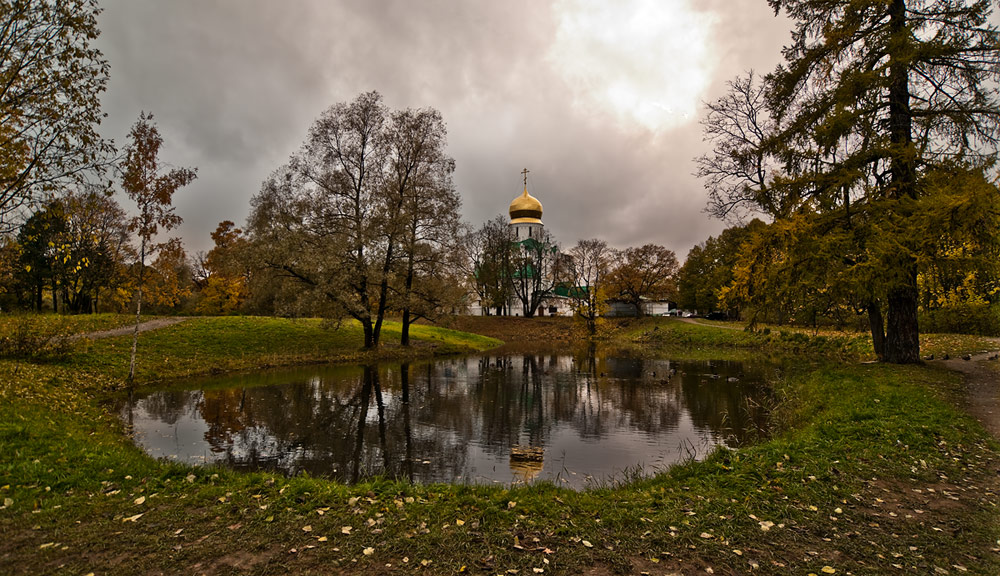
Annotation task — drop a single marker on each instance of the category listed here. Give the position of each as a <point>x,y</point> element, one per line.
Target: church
<point>527,231</point>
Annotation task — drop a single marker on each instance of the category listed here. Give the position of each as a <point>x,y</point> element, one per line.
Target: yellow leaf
<point>459,522</point>
<point>132,518</point>
<point>138,501</point>
<point>829,570</point>
<point>322,539</point>
<point>307,528</point>
<point>587,544</point>
<point>346,530</point>
<point>369,551</point>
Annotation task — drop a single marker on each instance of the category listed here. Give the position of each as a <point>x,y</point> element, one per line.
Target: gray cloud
<point>235,84</point>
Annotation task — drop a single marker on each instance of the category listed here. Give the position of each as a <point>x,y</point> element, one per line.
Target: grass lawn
<point>872,472</point>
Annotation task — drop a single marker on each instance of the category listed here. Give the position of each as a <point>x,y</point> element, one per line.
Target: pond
<point>576,421</point>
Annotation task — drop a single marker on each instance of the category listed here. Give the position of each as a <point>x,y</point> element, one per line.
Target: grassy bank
<point>875,473</point>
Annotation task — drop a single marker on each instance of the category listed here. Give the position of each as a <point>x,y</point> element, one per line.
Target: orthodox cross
<point>525,173</point>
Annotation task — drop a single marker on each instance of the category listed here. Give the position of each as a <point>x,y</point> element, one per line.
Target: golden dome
<point>525,208</point>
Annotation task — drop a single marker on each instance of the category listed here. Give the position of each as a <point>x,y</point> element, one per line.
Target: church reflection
<point>474,419</point>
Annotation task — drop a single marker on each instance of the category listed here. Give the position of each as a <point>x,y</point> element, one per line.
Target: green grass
<point>205,345</point>
<point>860,478</point>
<point>67,324</point>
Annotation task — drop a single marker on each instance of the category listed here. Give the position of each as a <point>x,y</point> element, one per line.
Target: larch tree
<point>51,79</point>
<point>874,96</point>
<point>152,191</point>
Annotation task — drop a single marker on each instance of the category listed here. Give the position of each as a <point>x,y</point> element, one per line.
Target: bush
<point>35,340</point>
<point>979,319</point>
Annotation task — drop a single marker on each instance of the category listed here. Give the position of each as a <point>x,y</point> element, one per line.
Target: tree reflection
<point>437,421</point>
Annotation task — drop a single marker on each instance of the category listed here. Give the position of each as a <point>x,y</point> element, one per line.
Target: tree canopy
<point>873,99</point>
<point>351,219</point>
<point>51,79</point>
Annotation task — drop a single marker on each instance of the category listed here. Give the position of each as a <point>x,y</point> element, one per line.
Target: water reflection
<point>504,419</point>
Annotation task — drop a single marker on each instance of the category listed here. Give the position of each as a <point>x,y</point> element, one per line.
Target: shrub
<point>980,319</point>
<point>35,340</point>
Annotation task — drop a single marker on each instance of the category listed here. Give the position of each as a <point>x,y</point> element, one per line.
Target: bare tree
<point>361,197</point>
<point>534,271</point>
<point>590,265</point>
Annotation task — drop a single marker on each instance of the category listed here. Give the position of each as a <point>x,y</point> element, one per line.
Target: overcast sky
<point>600,100</point>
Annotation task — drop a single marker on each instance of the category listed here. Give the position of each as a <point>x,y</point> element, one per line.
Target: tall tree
<point>339,218</point>
<point>153,192</point>
<point>646,272</point>
<point>425,205</point>
<point>709,266</point>
<point>225,272</point>
<point>51,79</point>
<point>489,263</point>
<point>97,249</point>
<point>535,271</point>
<point>590,263</point>
<point>168,281</point>
<point>874,95</point>
<point>40,240</point>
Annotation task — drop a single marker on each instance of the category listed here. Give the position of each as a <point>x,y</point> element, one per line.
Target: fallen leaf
<point>706,535</point>
<point>369,551</point>
<point>132,518</point>
<point>829,570</point>
<point>510,505</point>
<point>766,525</point>
<point>138,501</point>
<point>587,544</point>
<point>459,522</point>
<point>346,530</point>
<point>307,528</point>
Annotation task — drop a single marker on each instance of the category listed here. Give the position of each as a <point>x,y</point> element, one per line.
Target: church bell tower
<point>526,215</point>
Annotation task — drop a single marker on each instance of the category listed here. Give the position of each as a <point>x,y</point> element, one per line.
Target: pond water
<point>576,421</point>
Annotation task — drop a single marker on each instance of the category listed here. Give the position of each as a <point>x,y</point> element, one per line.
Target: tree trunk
<point>138,312</point>
<point>366,325</point>
<point>902,338</point>
<point>404,338</point>
<point>383,295</point>
<point>902,335</point>
<point>877,324</point>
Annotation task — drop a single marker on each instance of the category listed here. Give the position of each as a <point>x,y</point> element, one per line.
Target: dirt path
<point>697,323</point>
<point>982,386</point>
<point>126,330</point>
